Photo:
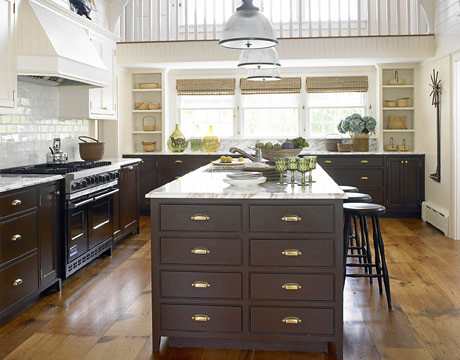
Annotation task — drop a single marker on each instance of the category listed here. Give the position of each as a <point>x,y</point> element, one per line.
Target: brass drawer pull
<point>200,251</point>
<point>291,320</point>
<point>16,202</point>
<point>291,286</point>
<point>364,178</point>
<point>201,284</point>
<point>57,193</point>
<point>402,161</point>
<point>328,161</point>
<point>16,237</point>
<point>291,218</point>
<point>200,217</point>
<point>200,318</point>
<point>178,161</point>
<point>17,282</point>
<point>364,162</point>
<point>291,252</point>
<point>406,162</point>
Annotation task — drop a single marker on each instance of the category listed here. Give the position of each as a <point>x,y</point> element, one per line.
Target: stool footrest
<point>364,275</point>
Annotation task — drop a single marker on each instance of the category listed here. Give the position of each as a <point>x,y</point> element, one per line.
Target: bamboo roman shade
<point>333,84</point>
<point>290,85</point>
<point>206,86</point>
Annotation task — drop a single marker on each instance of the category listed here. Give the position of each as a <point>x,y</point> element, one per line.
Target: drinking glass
<point>303,165</point>
<point>292,165</point>
<point>312,160</point>
<point>281,166</point>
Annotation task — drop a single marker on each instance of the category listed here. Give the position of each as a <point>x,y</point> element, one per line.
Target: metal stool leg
<point>359,249</point>
<point>369,252</point>
<point>386,277</point>
<point>378,268</point>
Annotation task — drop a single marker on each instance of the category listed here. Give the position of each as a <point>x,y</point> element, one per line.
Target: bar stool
<point>364,211</point>
<point>347,189</point>
<point>362,249</point>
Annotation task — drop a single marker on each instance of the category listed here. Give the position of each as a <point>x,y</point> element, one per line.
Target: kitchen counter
<point>14,182</point>
<point>305,152</point>
<point>123,161</point>
<point>207,183</point>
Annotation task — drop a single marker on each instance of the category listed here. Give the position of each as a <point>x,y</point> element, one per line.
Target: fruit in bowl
<point>226,159</point>
<point>289,148</point>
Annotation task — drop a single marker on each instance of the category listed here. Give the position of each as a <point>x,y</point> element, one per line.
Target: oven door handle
<point>81,203</point>
<point>107,194</point>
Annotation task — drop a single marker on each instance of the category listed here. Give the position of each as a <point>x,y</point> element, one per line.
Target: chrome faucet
<point>255,158</point>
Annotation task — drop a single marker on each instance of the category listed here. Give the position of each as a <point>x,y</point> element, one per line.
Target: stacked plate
<point>245,179</point>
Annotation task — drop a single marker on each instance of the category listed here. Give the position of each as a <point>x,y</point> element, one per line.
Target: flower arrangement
<point>357,124</point>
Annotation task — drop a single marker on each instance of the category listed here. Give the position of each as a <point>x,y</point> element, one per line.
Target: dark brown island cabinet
<point>247,273</point>
<point>399,186</point>
<point>30,238</point>
<point>126,203</point>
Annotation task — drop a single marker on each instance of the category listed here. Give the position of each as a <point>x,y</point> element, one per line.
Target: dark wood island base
<point>262,274</point>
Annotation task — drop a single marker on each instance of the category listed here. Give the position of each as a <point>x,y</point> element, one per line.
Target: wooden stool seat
<point>363,209</point>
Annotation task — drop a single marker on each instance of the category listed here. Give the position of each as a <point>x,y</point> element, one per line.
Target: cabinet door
<point>8,57</point>
<point>147,181</point>
<point>412,183</point>
<point>395,188</point>
<point>48,232</point>
<point>128,194</point>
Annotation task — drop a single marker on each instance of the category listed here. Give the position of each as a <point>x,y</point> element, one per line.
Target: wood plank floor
<point>103,311</point>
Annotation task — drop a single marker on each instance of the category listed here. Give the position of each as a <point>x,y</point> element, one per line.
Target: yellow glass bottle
<point>210,142</point>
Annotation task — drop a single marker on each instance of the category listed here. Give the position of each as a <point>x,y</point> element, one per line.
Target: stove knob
<point>100,178</point>
<point>83,183</point>
<point>73,187</point>
<point>113,176</point>
<point>76,185</point>
<point>88,180</point>
<point>107,177</point>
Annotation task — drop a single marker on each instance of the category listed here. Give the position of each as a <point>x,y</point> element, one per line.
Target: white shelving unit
<point>394,92</point>
<point>147,95</point>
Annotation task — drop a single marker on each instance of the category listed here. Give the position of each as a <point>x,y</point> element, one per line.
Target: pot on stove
<point>56,155</point>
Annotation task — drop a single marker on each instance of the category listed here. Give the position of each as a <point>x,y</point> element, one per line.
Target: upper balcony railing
<point>170,20</point>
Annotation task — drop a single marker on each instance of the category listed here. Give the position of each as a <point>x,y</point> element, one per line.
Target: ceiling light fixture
<point>248,28</point>
<point>264,75</point>
<point>259,59</point>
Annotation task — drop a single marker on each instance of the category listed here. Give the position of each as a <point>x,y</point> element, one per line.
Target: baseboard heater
<point>436,216</point>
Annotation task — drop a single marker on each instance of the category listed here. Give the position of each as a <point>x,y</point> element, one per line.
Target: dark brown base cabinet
<point>246,279</point>
<point>126,203</point>
<point>30,238</point>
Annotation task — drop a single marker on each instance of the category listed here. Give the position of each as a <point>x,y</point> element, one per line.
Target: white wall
<point>447,26</point>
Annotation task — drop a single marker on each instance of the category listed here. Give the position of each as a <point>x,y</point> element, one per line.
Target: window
<point>327,109</point>
<point>270,115</point>
<point>197,113</point>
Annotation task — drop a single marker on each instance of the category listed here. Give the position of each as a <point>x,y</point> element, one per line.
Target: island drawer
<point>362,178</point>
<point>201,285</point>
<point>311,253</point>
<point>200,218</point>
<point>201,251</point>
<point>303,287</point>
<point>201,318</point>
<point>18,202</point>
<point>18,281</point>
<point>18,237</point>
<point>351,161</point>
<point>314,219</point>
<point>308,321</point>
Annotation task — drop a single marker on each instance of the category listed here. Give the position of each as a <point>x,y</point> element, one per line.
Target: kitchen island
<point>249,268</point>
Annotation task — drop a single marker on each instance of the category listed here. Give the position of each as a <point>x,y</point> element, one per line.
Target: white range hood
<point>52,46</point>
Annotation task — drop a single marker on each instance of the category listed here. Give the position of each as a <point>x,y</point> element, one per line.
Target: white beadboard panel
<point>324,48</point>
<point>447,26</point>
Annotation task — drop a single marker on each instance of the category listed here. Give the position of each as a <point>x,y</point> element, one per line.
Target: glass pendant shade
<point>264,75</point>
<point>259,59</point>
<point>248,28</point>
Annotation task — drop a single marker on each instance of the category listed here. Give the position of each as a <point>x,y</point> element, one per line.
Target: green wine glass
<point>292,165</point>
<point>312,160</point>
<point>281,165</point>
<point>303,165</point>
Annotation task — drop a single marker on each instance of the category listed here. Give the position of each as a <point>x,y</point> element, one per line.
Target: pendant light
<point>264,75</point>
<point>259,59</point>
<point>248,28</point>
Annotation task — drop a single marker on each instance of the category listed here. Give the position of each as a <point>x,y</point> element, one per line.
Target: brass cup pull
<point>328,161</point>
<point>291,320</point>
<point>17,282</point>
<point>16,202</point>
<point>364,162</point>
<point>364,178</point>
<point>291,286</point>
<point>200,318</point>
<point>291,218</point>
<point>200,217</point>
<point>402,161</point>
<point>201,284</point>
<point>200,251</point>
<point>291,252</point>
<point>406,162</point>
<point>178,161</point>
<point>16,237</point>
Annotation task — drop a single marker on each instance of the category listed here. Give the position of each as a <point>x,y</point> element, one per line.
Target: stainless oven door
<point>77,227</point>
<point>100,218</point>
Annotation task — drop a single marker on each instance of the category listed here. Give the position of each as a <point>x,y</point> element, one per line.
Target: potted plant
<point>360,128</point>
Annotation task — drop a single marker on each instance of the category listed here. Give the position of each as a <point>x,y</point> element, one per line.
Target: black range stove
<point>59,169</point>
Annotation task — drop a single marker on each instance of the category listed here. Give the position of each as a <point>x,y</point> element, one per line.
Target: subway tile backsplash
<point>26,135</point>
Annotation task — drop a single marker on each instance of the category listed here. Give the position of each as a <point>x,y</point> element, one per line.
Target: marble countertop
<point>205,183</point>
<point>14,182</point>
<point>304,152</point>
<point>123,161</point>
